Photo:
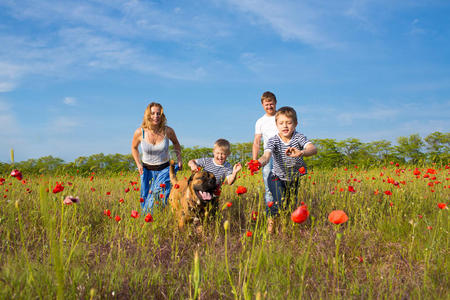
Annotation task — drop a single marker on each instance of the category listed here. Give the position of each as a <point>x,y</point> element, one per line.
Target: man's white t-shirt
<point>267,127</point>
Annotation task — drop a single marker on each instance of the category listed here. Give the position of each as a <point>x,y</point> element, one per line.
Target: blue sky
<point>76,76</point>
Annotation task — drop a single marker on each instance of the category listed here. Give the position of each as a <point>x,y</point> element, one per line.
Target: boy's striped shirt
<point>221,172</point>
<point>285,167</point>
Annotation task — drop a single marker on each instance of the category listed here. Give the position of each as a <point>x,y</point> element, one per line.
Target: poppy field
<point>354,233</point>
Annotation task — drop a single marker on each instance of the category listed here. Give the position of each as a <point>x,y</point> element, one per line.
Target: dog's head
<point>203,185</point>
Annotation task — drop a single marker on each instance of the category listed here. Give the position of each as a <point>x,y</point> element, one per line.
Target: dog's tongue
<point>205,195</point>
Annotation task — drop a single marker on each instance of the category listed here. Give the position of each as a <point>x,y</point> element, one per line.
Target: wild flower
<point>148,218</point>
<point>69,200</point>
<point>241,190</point>
<point>300,214</point>
<point>337,217</point>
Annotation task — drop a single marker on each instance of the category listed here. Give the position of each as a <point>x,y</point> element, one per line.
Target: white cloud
<point>374,113</point>
<point>99,36</point>
<point>70,101</point>
<point>292,20</point>
<point>63,124</point>
<point>9,74</point>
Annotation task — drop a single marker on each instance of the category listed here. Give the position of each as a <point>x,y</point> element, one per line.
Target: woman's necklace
<point>154,136</point>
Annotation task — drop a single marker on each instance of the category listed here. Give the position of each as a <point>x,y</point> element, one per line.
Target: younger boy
<point>218,164</point>
<point>287,149</point>
<point>265,128</point>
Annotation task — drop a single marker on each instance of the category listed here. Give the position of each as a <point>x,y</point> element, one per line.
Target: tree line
<point>413,150</point>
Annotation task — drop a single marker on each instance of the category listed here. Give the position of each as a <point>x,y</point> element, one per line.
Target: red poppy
<point>302,170</point>
<point>107,212</point>
<point>254,166</point>
<point>58,188</point>
<point>300,214</point>
<point>127,190</point>
<point>117,218</point>
<point>241,190</point>
<point>431,171</point>
<point>270,203</point>
<point>351,189</point>
<point>121,200</point>
<point>420,216</point>
<point>361,259</point>
<point>229,204</point>
<point>134,214</point>
<point>108,193</point>
<point>442,205</point>
<point>92,178</point>
<point>389,193</point>
<point>162,185</point>
<point>249,233</point>
<point>141,200</point>
<point>391,204</point>
<point>337,217</point>
<point>2,180</point>
<point>161,196</point>
<point>254,215</point>
<point>92,189</point>
<point>176,186</point>
<point>148,218</point>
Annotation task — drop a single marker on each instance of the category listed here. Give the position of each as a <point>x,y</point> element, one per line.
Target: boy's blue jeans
<point>282,192</point>
<point>265,173</point>
<point>151,189</point>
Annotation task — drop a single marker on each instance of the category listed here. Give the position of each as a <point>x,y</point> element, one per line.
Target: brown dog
<point>192,199</point>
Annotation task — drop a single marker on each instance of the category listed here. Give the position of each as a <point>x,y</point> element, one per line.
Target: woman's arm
<point>137,137</point>
<point>176,145</point>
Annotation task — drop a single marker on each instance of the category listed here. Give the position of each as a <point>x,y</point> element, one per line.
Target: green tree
<point>328,155</point>
<point>409,148</point>
<point>438,146</point>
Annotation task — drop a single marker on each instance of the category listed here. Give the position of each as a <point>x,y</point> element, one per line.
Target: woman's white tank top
<point>157,154</point>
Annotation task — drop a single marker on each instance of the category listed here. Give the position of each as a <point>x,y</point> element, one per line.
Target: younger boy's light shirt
<point>286,167</point>
<point>219,171</point>
<point>267,127</point>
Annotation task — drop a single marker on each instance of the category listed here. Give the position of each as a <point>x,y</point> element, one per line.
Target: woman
<point>154,136</point>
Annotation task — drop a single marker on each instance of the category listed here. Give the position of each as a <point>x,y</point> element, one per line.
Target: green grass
<point>385,250</point>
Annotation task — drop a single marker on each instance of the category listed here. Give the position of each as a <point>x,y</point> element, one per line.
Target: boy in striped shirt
<point>287,149</point>
<point>218,164</point>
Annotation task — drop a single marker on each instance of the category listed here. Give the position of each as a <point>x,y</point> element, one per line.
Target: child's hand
<point>293,152</point>
<point>237,167</point>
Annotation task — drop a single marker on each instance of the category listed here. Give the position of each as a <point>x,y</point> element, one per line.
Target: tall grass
<point>393,246</point>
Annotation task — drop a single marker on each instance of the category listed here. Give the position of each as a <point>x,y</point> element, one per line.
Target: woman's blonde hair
<point>146,122</point>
